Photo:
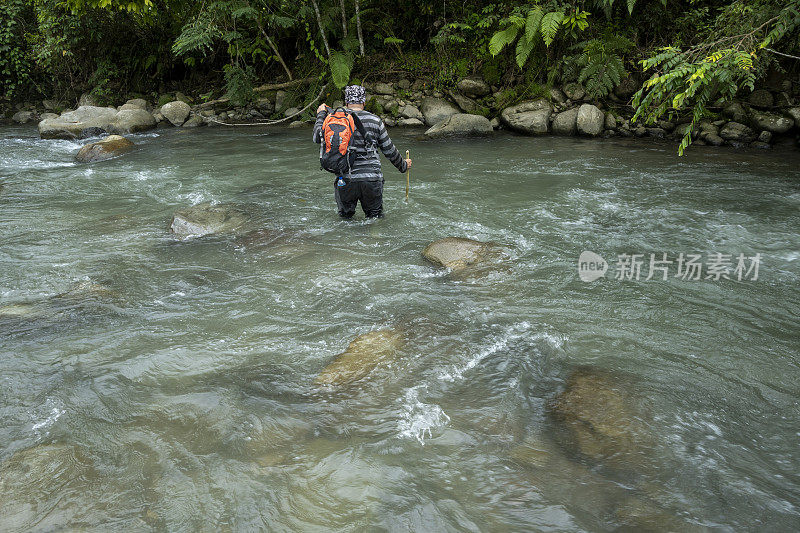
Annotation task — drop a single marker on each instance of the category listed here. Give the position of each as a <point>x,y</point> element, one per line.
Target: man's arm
<point>389,150</point>
<point>322,112</point>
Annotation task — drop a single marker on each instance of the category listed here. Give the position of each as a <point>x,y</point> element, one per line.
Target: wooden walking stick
<point>408,174</point>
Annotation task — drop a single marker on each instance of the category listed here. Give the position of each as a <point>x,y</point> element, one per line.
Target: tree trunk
<point>344,18</point>
<point>321,29</point>
<point>277,54</point>
<point>358,27</point>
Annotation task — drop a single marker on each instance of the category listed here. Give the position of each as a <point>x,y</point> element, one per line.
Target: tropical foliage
<point>689,53</point>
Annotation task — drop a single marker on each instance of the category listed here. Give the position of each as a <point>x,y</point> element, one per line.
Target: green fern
<point>341,64</point>
<point>239,84</point>
<point>550,24</point>
<point>601,63</point>
<point>502,38</point>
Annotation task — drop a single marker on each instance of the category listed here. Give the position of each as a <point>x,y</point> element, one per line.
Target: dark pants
<point>369,192</point>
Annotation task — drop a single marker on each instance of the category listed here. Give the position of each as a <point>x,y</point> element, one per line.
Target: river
<point>150,383</point>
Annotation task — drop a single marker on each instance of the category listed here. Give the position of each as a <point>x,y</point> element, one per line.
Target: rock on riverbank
<point>772,115</point>
<point>90,120</point>
<point>460,124</point>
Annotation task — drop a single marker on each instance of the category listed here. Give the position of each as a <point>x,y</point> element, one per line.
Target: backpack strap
<point>360,127</point>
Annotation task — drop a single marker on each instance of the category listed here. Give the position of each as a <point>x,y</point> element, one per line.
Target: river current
<point>151,383</point>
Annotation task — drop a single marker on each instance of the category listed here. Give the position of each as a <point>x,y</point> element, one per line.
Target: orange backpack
<point>338,128</point>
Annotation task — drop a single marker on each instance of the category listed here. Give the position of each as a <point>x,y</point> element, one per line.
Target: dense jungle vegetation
<point>682,54</point>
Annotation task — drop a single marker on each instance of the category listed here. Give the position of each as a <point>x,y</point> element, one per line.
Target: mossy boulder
<point>110,147</point>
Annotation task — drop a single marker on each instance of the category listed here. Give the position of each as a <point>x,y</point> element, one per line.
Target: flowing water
<point>152,383</point>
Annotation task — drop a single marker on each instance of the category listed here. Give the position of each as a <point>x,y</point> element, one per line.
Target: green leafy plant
<point>239,84</point>
<point>602,65</point>
<point>710,70</point>
<point>15,60</point>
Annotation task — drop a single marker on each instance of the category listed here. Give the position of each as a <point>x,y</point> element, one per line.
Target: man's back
<point>364,182</point>
<point>367,165</point>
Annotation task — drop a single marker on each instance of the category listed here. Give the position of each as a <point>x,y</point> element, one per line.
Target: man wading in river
<point>358,167</point>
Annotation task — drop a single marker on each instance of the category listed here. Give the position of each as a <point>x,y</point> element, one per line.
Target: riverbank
<point>764,119</point>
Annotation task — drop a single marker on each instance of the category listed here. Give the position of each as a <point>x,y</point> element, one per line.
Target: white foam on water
<point>55,412</point>
<point>196,197</point>
<point>420,419</point>
<point>497,343</point>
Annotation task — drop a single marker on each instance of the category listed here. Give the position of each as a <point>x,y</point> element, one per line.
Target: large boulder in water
<point>90,120</point>
<point>531,117</point>
<point>176,112</point>
<point>461,124</point>
<point>364,353</point>
<point>132,121</point>
<point>600,418</point>
<point>590,120</point>
<point>436,110</point>
<point>111,146</point>
<point>457,253</point>
<point>83,122</point>
<point>207,219</point>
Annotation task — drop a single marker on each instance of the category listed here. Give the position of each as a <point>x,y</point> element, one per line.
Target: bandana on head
<point>355,94</point>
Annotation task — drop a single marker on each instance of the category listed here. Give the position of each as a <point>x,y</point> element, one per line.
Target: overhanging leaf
<point>550,24</point>
<point>341,64</point>
<point>502,38</point>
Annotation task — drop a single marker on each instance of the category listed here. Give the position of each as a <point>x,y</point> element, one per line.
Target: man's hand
<point>408,162</point>
<point>322,107</point>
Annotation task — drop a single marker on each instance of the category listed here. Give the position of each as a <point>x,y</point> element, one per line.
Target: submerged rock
<point>88,290</point>
<point>18,311</point>
<point>111,146</point>
<point>206,219</point>
<point>457,253</point>
<point>460,124</point>
<point>601,422</point>
<point>36,477</point>
<point>362,355</point>
<point>528,117</point>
